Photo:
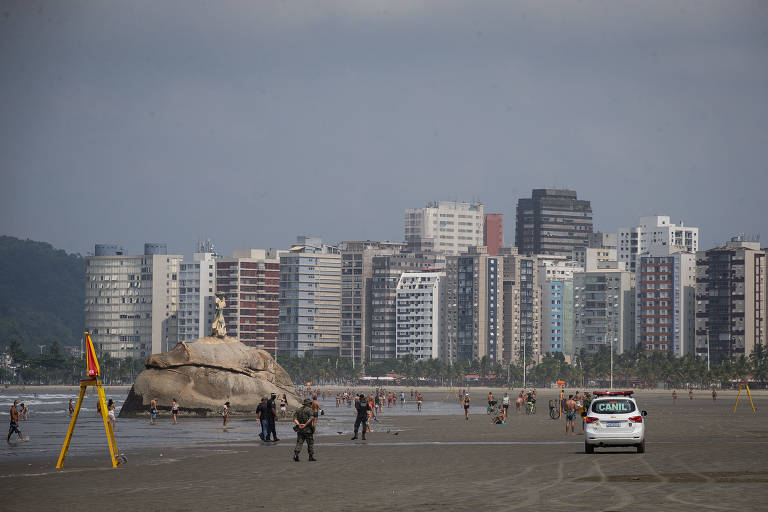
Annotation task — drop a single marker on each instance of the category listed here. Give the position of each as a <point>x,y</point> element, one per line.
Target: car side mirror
<point>645,413</point>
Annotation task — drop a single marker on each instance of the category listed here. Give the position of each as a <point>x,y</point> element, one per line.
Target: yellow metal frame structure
<point>94,372</point>
<point>744,385</point>
<point>113,453</point>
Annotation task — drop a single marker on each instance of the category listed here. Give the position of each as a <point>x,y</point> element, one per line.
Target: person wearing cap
<point>305,430</point>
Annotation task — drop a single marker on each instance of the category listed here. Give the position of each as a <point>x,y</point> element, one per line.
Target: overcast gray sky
<point>251,122</point>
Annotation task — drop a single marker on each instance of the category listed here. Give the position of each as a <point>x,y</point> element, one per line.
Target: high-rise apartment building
<point>310,299</point>
<point>556,282</point>
<point>250,282</point>
<point>552,222</point>
<point>197,288</point>
<point>665,301</point>
<point>522,306</point>
<point>420,311</point>
<point>387,270</point>
<point>131,301</point>
<point>730,300</point>
<point>444,226</point>
<point>603,310</point>
<point>356,277</point>
<point>493,232</point>
<point>655,232</point>
<point>474,306</point>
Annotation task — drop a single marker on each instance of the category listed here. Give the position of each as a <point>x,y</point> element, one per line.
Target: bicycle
<point>530,407</point>
<point>493,409</point>
<point>554,410</point>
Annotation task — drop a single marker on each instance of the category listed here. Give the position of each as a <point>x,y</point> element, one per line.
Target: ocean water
<point>49,419</point>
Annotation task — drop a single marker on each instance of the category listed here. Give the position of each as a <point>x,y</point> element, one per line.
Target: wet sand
<point>698,455</point>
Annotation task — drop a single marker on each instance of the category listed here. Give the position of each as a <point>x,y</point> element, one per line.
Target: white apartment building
<point>310,299</point>
<point>445,226</point>
<point>592,259</point>
<point>420,307</point>
<point>655,231</point>
<point>197,287</point>
<point>131,301</point>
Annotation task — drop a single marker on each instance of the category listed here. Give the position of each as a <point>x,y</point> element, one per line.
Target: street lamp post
<point>605,337</point>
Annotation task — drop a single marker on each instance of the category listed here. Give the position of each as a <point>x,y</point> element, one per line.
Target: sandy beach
<point>699,455</point>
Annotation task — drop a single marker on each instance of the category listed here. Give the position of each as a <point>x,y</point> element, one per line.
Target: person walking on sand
<point>519,403</point>
<point>674,396</point>
<point>570,415</point>
<point>362,407</point>
<point>225,413</point>
<point>14,426</point>
<point>466,406</point>
<point>71,408</point>
<point>714,394</point>
<point>419,400</point>
<point>175,411</point>
<point>303,425</point>
<point>690,393</point>
<point>152,411</point>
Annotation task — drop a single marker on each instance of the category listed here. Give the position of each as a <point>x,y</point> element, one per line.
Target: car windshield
<point>613,406</point>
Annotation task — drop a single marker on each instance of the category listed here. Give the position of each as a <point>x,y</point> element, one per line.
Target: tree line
<point>635,368</point>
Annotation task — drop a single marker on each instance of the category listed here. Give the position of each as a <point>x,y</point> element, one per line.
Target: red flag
<point>93,363</point>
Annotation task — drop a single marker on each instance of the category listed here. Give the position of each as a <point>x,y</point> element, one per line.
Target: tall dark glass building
<point>553,222</point>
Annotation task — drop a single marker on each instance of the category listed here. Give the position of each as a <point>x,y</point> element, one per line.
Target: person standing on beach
<point>714,394</point>
<point>111,414</point>
<point>315,412</point>
<point>362,407</point>
<point>71,408</point>
<point>466,406</point>
<point>570,414</point>
<point>175,411</point>
<point>272,417</point>
<point>674,396</point>
<point>690,393</point>
<point>402,398</point>
<point>505,405</point>
<point>14,426</point>
<point>152,411</point>
<point>225,413</point>
<point>420,400</point>
<point>261,412</point>
<point>303,425</point>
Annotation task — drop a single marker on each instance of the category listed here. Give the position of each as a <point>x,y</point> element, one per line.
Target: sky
<point>252,122</point>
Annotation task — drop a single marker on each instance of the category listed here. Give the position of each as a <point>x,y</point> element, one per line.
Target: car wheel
<point>641,447</point>
<point>588,448</point>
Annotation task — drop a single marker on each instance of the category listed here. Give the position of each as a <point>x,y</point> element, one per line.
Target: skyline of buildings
<point>451,290</point>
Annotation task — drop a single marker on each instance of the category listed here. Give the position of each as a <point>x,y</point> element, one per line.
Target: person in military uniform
<point>305,430</point>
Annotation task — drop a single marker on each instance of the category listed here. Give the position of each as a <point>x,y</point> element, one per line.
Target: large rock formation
<point>204,374</point>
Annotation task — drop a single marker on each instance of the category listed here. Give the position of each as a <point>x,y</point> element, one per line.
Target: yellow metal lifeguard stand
<point>744,385</point>
<point>92,380</point>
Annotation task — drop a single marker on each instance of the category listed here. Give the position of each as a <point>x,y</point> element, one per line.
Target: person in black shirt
<point>362,408</point>
<point>261,411</point>
<point>271,417</point>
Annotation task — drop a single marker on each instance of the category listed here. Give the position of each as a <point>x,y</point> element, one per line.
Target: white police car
<point>613,419</point>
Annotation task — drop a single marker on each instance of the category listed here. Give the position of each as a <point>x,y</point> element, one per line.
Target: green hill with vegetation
<point>42,292</point>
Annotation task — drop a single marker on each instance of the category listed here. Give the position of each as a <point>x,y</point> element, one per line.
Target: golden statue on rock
<point>218,329</point>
